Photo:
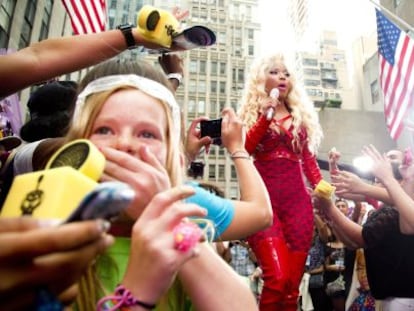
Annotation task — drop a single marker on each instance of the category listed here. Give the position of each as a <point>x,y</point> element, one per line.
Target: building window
<point>191,105</point>
<point>222,68</point>
<point>311,72</point>
<point>193,66</point>
<point>27,27</point>
<point>221,172</point>
<point>201,106</point>
<point>6,13</point>
<point>211,171</point>
<point>233,173</point>
<point>309,82</point>
<point>214,68</point>
<point>250,34</point>
<point>192,87</point>
<point>222,105</point>
<point>202,66</point>
<point>375,94</point>
<point>213,86</point>
<point>234,193</point>
<point>213,107</point>
<point>241,74</point>
<point>310,62</point>
<point>44,28</point>
<point>251,50</point>
<point>201,87</point>
<point>222,87</point>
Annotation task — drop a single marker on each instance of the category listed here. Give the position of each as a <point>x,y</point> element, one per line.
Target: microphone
<point>274,94</point>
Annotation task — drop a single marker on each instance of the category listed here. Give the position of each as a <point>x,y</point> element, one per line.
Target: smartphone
<point>106,201</point>
<point>211,128</point>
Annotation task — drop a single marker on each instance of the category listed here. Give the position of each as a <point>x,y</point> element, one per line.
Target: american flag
<point>396,61</point>
<point>87,16</point>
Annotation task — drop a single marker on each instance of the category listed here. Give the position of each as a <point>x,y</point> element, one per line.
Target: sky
<point>350,19</point>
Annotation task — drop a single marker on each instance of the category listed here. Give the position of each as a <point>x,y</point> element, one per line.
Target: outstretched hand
<point>154,259</point>
<point>381,166</point>
<point>34,256</point>
<point>346,183</point>
<point>233,133</point>
<point>193,140</point>
<point>333,158</point>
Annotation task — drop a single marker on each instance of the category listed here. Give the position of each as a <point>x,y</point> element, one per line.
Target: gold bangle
<point>239,154</point>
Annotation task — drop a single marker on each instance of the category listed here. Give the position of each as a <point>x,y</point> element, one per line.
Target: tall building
<point>324,73</point>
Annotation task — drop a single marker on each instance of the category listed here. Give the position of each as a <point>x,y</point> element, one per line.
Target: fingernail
<point>108,240</point>
<point>104,225</point>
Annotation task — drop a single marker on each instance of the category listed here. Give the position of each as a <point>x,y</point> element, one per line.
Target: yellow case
<point>56,191</point>
<point>157,25</point>
<point>324,189</point>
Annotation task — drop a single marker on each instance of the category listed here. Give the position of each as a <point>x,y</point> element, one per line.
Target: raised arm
<point>53,57</point>
<point>401,195</point>
<point>350,186</point>
<point>346,230</point>
<point>253,211</point>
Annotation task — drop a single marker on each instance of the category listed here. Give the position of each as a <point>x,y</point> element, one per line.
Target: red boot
<point>272,256</point>
<point>297,261</point>
<point>256,133</point>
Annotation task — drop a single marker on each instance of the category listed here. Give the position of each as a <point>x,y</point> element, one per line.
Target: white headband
<point>145,85</point>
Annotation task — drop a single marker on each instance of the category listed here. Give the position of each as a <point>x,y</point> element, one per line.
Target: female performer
<point>283,136</point>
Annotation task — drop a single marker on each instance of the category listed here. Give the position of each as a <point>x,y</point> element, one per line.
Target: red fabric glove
<point>256,133</point>
<point>310,167</point>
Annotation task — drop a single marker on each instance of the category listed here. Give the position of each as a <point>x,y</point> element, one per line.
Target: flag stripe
<point>87,16</point>
<point>396,61</point>
<point>403,100</point>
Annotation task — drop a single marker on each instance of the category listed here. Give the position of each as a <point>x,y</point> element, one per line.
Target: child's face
<point>278,77</point>
<point>130,119</point>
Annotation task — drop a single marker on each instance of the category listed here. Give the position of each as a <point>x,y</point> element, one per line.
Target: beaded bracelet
<point>240,154</point>
<point>121,298</point>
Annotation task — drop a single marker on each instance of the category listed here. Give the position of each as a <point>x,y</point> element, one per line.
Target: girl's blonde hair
<point>301,108</point>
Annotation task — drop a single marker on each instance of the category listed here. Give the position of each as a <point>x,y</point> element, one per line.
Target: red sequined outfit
<point>281,249</point>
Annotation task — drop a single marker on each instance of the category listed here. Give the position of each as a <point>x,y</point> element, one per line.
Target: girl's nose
<point>126,144</point>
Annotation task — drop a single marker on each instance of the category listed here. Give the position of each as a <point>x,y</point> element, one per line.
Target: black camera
<point>211,128</point>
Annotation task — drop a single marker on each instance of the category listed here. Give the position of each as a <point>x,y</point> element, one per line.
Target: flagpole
<point>391,14</point>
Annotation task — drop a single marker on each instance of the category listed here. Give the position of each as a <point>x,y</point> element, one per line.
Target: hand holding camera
<point>212,129</point>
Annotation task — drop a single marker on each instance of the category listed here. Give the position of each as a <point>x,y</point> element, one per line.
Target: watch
<point>177,76</point>
<point>127,32</point>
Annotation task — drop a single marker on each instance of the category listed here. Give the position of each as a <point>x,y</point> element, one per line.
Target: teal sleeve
<point>220,210</point>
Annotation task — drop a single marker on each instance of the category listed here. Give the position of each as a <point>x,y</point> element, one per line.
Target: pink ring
<point>186,236</point>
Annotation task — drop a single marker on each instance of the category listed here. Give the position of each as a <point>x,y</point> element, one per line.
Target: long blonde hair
<point>301,108</point>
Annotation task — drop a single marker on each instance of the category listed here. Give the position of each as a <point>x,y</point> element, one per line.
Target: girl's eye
<point>147,134</point>
<point>103,130</point>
